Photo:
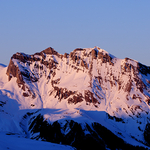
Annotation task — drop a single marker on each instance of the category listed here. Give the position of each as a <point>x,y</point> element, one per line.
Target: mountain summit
<point>77,96</point>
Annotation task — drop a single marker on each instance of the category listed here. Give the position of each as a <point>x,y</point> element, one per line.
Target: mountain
<point>85,99</point>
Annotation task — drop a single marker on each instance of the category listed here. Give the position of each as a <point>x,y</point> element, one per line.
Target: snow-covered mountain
<point>85,99</point>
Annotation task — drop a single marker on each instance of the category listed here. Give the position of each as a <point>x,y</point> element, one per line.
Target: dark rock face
<point>13,71</point>
<point>2,103</point>
<point>22,57</point>
<point>80,136</point>
<point>147,133</point>
<point>105,58</point>
<point>76,99</point>
<point>89,97</point>
<point>61,93</point>
<point>94,54</point>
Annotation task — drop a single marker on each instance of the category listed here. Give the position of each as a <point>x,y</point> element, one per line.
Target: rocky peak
<point>21,57</point>
<point>99,71</point>
<point>50,51</point>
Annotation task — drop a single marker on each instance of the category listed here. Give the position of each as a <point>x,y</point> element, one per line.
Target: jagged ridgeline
<point>108,93</point>
<point>98,70</point>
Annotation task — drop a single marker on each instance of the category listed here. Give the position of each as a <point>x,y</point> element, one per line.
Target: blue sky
<point>121,27</point>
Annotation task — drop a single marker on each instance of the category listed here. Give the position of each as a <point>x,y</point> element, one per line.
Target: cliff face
<point>89,79</point>
<point>92,76</point>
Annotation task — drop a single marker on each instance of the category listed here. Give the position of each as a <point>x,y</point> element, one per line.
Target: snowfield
<point>17,142</point>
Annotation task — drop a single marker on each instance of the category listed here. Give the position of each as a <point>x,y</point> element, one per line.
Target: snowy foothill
<point>18,142</point>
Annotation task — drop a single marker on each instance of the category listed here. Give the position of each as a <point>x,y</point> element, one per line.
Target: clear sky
<point>121,27</point>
